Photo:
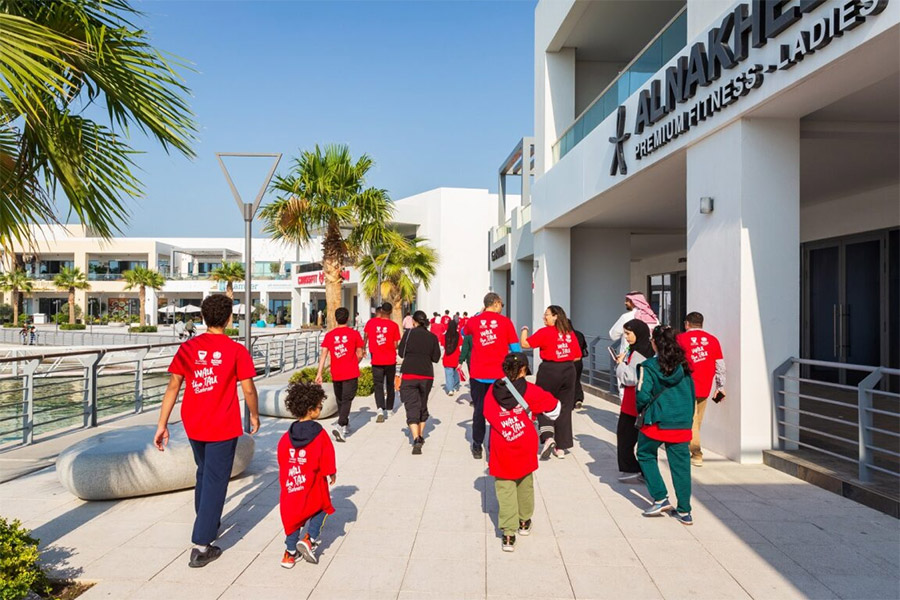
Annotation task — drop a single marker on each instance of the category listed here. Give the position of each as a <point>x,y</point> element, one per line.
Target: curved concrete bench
<point>124,463</point>
<point>271,402</point>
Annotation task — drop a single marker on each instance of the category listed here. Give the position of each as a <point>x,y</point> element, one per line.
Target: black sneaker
<point>509,543</point>
<point>417,446</point>
<point>476,452</point>
<point>525,527</point>
<point>201,559</point>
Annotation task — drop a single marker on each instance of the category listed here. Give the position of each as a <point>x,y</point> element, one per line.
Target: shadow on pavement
<point>345,512</point>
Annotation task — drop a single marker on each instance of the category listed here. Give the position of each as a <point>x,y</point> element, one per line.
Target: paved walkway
<point>425,527</point>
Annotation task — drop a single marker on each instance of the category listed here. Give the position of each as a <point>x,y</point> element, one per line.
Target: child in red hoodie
<point>305,468</point>
<point>514,445</point>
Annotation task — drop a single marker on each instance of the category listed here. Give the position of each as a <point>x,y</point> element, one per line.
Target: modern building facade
<point>739,159</point>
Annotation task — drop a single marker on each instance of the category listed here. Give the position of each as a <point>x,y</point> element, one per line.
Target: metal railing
<point>599,370</point>
<point>44,394</point>
<point>852,422</point>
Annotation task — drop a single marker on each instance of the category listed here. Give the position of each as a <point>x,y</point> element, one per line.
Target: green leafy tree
<point>229,272</point>
<point>143,278</point>
<point>71,279</point>
<point>56,60</point>
<point>16,282</point>
<point>403,269</point>
<point>325,193</point>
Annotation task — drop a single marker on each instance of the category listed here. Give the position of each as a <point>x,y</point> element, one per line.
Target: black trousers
<point>414,395</point>
<point>579,389</point>
<point>626,440</point>
<point>344,393</point>
<point>383,376</point>
<point>214,463</point>
<point>558,378</point>
<point>479,427</point>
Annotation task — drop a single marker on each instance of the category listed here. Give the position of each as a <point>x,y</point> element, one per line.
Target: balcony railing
<point>651,59</point>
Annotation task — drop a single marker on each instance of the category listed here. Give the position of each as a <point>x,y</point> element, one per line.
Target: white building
<point>733,158</point>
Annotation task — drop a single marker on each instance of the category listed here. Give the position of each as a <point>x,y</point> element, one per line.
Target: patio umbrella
<point>190,308</point>
<point>169,309</point>
<point>238,309</point>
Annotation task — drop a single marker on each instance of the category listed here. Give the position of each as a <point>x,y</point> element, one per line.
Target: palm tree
<point>325,193</point>
<point>403,270</point>
<point>15,282</point>
<point>71,279</point>
<point>56,60</point>
<point>143,278</point>
<point>229,272</point>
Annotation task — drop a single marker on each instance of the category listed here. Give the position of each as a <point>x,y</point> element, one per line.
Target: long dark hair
<point>669,353</point>
<point>421,319</point>
<point>642,337</point>
<point>451,338</point>
<point>562,321</point>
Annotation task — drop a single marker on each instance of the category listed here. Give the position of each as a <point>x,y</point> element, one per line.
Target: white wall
<point>591,78</point>
<point>842,216</point>
<point>654,265</point>
<point>703,13</point>
<point>601,263</point>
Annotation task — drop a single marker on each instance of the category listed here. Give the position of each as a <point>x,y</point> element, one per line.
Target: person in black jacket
<point>579,366</point>
<point>419,350</point>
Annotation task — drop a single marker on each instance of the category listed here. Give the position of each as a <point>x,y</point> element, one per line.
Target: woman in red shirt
<point>452,346</point>
<point>559,349</point>
<point>637,334</point>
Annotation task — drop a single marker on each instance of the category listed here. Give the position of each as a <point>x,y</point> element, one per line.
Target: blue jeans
<point>313,528</point>
<point>451,379</point>
<point>214,463</point>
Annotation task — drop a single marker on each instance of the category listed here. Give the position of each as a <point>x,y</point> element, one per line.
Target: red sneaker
<point>288,560</point>
<point>305,547</point>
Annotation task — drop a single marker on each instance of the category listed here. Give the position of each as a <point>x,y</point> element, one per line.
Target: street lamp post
<point>248,211</point>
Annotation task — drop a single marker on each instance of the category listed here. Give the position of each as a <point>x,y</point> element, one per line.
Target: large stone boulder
<point>271,401</point>
<point>124,463</point>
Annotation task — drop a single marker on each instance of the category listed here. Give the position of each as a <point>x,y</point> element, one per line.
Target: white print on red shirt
<point>562,346</point>
<point>204,380</point>
<point>511,425</point>
<point>340,346</point>
<point>699,353</point>
<point>217,358</point>
<point>381,335</point>
<point>296,479</point>
<point>487,335</point>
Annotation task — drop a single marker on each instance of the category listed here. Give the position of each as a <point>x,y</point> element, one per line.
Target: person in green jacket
<point>665,397</point>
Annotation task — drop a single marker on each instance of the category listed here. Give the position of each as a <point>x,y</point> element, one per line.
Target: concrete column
<point>522,292</point>
<point>744,269</point>
<point>556,83</point>
<point>552,276</point>
<point>152,310</point>
<point>601,276</point>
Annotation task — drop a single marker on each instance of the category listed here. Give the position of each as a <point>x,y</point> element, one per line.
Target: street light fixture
<point>248,212</point>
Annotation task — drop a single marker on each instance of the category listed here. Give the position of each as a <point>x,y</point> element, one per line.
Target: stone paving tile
<point>455,579</point>
<point>154,590</point>
<point>517,578</point>
<point>112,590</point>
<point>131,562</point>
<point>604,582</point>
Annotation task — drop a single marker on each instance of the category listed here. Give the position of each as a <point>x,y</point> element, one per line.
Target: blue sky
<point>436,92</point>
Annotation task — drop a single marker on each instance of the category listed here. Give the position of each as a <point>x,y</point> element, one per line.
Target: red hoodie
<point>305,460</point>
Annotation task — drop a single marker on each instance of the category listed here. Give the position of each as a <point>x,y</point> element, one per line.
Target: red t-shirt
<point>514,440</point>
<point>702,350</point>
<point>492,333</point>
<point>451,359</point>
<point>302,474</point>
<point>555,346</point>
<point>342,343</point>
<point>212,365</point>
<point>383,335</point>
<point>462,323</point>
<point>445,320</point>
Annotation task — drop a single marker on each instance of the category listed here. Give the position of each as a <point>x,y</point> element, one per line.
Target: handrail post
<point>592,362</point>
<point>294,363</point>
<point>786,392</point>
<point>139,381</point>
<point>864,396</point>
<point>29,370</point>
<point>90,363</point>
<point>281,360</point>
<point>267,358</point>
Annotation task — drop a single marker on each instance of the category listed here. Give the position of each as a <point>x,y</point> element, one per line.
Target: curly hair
<point>669,353</point>
<point>303,398</point>
<point>216,310</point>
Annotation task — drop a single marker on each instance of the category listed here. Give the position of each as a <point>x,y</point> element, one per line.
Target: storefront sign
<point>498,252</point>
<point>727,46</point>
<point>317,278</point>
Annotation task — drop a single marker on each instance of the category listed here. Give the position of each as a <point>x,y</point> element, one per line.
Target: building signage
<point>498,252</point>
<point>317,278</point>
<point>727,46</point>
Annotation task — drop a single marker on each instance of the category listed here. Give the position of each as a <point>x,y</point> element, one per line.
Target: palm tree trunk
<point>15,303</point>
<point>143,295</point>
<point>71,306</point>
<point>229,290</point>
<point>332,262</point>
<point>397,303</point>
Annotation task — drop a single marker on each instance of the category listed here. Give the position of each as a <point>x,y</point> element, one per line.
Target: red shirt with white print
<point>492,334</point>
<point>342,343</point>
<point>555,346</point>
<point>212,364</point>
<point>514,439</point>
<point>702,351</point>
<point>383,335</point>
<point>303,473</point>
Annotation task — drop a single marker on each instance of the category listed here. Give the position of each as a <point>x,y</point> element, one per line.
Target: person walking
<point>636,307</point>
<point>408,322</point>
<point>211,365</point>
<point>419,350</point>
<point>306,466</point>
<point>639,349</point>
<point>382,336</point>
<point>462,321</point>
<point>512,459</point>
<point>345,347</point>
<point>704,353</point>
<point>190,329</point>
<point>450,361</point>
<point>558,351</point>
<point>493,336</point>
<point>666,399</point>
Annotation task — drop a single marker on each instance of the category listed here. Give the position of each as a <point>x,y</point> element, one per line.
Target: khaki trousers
<point>516,500</point>
<point>696,452</point>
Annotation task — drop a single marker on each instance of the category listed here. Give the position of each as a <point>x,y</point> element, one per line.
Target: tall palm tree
<point>143,278</point>
<point>229,272</point>
<point>71,279</point>
<point>57,59</point>
<point>325,192</point>
<point>403,270</point>
<point>16,281</point>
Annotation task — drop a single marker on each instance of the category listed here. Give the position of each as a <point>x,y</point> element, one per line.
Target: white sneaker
<point>548,449</point>
<point>560,453</point>
<point>631,478</point>
<point>450,393</point>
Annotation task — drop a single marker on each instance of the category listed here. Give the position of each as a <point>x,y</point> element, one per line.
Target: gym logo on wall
<point>618,162</point>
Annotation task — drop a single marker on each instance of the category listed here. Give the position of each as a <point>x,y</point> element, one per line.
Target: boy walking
<point>514,444</point>
<point>212,364</point>
<point>306,466</point>
<point>382,336</point>
<point>345,347</point>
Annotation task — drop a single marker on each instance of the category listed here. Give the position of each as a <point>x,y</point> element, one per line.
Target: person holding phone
<point>704,353</point>
<point>639,349</point>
